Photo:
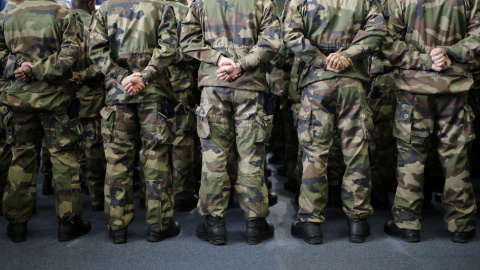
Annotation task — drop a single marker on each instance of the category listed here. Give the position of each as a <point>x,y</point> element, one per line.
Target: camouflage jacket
<point>379,65</point>
<point>245,30</point>
<point>91,92</point>
<point>44,33</point>
<point>417,27</point>
<point>134,36</point>
<point>181,70</point>
<point>351,28</point>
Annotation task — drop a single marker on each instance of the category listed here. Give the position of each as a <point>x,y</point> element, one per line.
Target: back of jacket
<point>352,28</point>
<point>44,33</point>
<point>181,71</point>
<point>417,27</point>
<point>134,36</point>
<point>245,30</point>
<point>91,92</point>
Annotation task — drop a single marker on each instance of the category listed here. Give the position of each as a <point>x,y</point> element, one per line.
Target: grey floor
<point>95,250</point>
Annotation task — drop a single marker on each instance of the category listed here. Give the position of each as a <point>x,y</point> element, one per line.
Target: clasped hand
<point>134,83</point>
<point>337,63</point>
<point>21,72</point>
<point>440,59</point>
<point>228,70</point>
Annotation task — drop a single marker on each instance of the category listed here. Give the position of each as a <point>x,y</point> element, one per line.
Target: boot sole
<point>254,240</point>
<point>216,241</point>
<point>66,238</point>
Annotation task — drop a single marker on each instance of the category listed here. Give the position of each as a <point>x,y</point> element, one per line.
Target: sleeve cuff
<point>318,61</point>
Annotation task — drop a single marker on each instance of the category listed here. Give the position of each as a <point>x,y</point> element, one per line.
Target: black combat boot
<point>16,231</point>
<point>172,230</point>
<point>186,205</point>
<point>407,235</point>
<point>359,230</point>
<point>70,230</point>
<point>463,237</point>
<point>118,236</point>
<point>311,232</point>
<point>258,230</point>
<point>213,230</point>
<point>272,199</point>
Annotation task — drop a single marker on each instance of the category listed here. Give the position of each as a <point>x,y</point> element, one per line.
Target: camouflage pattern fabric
<point>183,84</point>
<point>26,131</point>
<point>40,106</point>
<point>121,127</point>
<point>416,120</point>
<point>182,149</point>
<point>5,149</point>
<point>115,48</point>
<point>92,98</point>
<point>354,30</point>
<point>325,103</point>
<point>333,100</point>
<point>245,31</point>
<point>116,51</point>
<point>423,110</point>
<point>432,24</point>
<point>222,110</point>
<point>95,161</point>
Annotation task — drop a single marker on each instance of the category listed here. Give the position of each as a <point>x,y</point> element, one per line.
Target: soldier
<point>42,101</point>
<point>333,97</point>
<point>90,94</point>
<point>382,100</point>
<point>248,33</point>
<point>183,84</point>
<point>433,76</point>
<point>132,43</point>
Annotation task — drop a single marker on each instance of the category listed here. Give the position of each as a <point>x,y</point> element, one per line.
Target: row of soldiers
<point>124,80</point>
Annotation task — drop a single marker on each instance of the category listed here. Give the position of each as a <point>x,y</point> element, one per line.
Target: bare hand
<point>224,61</point>
<point>229,73</point>
<point>443,66</point>
<point>134,83</point>
<point>21,72</point>
<point>338,63</point>
<point>439,56</point>
<point>77,78</point>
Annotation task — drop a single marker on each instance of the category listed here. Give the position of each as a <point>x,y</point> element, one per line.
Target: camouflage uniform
<point>433,103</point>
<point>331,100</point>
<point>41,106</point>
<point>237,105</point>
<point>183,84</point>
<point>5,151</point>
<point>91,98</point>
<point>120,46</point>
<point>382,101</point>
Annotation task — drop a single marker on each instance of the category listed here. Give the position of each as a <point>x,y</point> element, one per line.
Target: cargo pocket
<point>403,122</point>
<point>304,124</point>
<point>107,124</point>
<point>203,127</point>
<point>265,122</point>
<point>367,123</point>
<point>67,131</point>
<point>165,129</point>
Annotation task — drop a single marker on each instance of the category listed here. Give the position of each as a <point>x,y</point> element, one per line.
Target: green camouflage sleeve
<point>9,61</point>
<point>468,49</point>
<point>294,38</point>
<point>268,42</point>
<point>55,66</point>
<point>399,53</point>
<point>192,41</point>
<point>373,33</point>
<point>165,52</point>
<point>99,49</point>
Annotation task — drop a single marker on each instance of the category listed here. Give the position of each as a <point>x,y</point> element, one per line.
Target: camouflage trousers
<point>382,100</point>
<point>95,161</point>
<point>5,160</point>
<point>340,104</point>
<point>450,118</point>
<point>222,110</point>
<point>182,150</point>
<point>26,130</point>
<point>121,127</point>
